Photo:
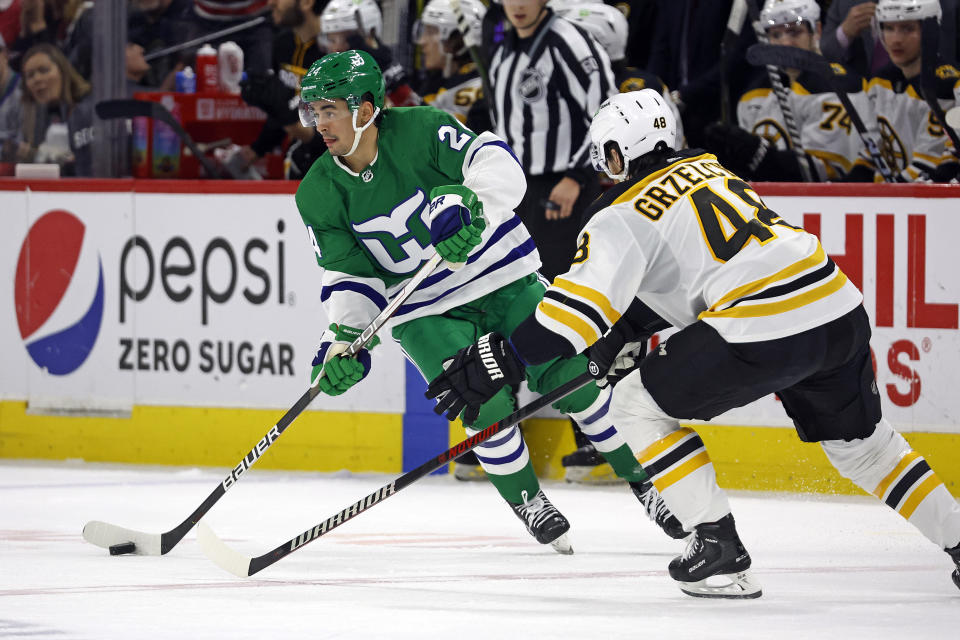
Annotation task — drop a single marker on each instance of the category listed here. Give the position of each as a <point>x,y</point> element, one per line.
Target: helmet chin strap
<point>358,131</point>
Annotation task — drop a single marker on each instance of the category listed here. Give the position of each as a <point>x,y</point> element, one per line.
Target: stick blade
<point>106,535</point>
<point>220,554</point>
<point>123,108</point>
<point>787,57</point>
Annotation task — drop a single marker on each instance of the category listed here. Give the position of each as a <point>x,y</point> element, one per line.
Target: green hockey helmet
<point>348,75</point>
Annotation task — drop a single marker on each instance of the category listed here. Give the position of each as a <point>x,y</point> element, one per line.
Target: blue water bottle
<point>186,81</point>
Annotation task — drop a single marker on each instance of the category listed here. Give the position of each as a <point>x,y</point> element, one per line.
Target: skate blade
<point>724,585</point>
<point>468,472</point>
<point>562,545</point>
<point>602,474</point>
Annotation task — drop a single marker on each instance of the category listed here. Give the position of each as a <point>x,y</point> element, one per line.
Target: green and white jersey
<point>826,132</point>
<point>371,230</point>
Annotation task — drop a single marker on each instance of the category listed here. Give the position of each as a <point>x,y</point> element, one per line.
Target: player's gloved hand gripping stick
<point>334,371</point>
<point>121,540</point>
<point>456,223</point>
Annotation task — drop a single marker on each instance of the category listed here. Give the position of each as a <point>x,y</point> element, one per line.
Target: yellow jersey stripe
<point>800,266</point>
<point>667,479</point>
<point>772,308</point>
<point>634,192</point>
<point>905,462</point>
<point>564,317</point>
<point>921,492</point>
<point>592,295</point>
<point>755,93</point>
<point>829,156</point>
<point>931,159</point>
<point>662,445</point>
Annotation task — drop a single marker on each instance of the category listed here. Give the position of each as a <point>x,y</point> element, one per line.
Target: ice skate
<point>544,522</point>
<point>954,553</point>
<point>657,509</point>
<point>586,466</point>
<point>715,563</point>
<point>467,468</point>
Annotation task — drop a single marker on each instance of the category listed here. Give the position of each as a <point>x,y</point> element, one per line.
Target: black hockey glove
<point>266,91</point>
<point>614,356</point>
<point>474,376</point>
<point>736,148</point>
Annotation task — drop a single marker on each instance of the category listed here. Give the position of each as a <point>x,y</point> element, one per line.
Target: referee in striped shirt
<point>549,78</point>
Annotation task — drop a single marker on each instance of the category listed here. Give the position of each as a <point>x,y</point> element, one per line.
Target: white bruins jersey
<point>695,242</point>
<point>911,139</point>
<point>458,93</point>
<point>826,133</point>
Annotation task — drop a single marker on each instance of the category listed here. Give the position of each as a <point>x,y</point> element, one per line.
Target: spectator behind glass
<point>52,21</point>
<point>138,70</point>
<point>57,119</point>
<point>10,89</point>
<point>158,24</point>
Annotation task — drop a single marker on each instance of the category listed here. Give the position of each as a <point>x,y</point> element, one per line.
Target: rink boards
<point>174,322</point>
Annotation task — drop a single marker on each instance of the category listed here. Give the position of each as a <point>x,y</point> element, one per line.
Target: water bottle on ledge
<point>230,65</point>
<point>207,74</point>
<point>186,81</point>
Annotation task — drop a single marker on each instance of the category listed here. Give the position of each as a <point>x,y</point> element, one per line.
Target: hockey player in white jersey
<point>609,27</point>
<point>759,307</point>
<point>758,149</point>
<point>913,141</point>
<point>453,81</point>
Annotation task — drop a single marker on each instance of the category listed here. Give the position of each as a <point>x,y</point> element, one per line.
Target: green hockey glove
<point>334,372</point>
<point>456,223</point>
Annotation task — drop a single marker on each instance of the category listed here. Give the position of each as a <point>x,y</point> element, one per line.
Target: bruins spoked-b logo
<point>891,147</point>
<point>531,86</point>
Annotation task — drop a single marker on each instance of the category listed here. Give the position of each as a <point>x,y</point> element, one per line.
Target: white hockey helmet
<point>637,122</point>
<point>439,14</point>
<point>605,23</point>
<point>341,15</point>
<point>903,10</point>
<point>779,12</point>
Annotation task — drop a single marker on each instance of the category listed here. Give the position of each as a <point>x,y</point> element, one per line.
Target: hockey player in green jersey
<point>396,185</point>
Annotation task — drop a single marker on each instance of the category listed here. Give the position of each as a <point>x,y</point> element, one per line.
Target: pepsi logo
<point>58,293</point>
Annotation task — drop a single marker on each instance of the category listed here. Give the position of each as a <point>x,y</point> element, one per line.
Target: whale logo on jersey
<point>58,293</point>
<point>398,240</point>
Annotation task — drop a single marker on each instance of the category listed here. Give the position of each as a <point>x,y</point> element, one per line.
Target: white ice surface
<point>443,559</point>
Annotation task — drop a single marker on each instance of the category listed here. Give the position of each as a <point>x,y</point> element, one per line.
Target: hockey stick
<point>240,565</point>
<point>471,41</point>
<point>738,15</point>
<point>928,81</point>
<point>243,26</point>
<point>108,535</point>
<point>128,108</point>
<point>783,98</point>
<point>760,54</point>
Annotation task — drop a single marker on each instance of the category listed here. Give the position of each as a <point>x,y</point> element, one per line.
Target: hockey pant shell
<point>674,457</point>
<point>430,340</point>
<point>884,464</point>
